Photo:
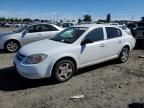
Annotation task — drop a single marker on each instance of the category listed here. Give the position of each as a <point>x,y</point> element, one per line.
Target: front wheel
<point>124,55</point>
<point>63,70</point>
<point>12,46</point>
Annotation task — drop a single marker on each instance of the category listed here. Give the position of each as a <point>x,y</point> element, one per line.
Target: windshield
<point>20,29</point>
<point>69,35</point>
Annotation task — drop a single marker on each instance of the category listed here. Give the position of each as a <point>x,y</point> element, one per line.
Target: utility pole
<point>89,12</point>
<point>132,17</point>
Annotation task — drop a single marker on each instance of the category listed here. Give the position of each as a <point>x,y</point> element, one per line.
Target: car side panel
<point>30,37</point>
<point>49,34</point>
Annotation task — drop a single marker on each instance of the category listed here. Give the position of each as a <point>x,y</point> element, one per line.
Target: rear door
<point>114,41</point>
<point>48,31</point>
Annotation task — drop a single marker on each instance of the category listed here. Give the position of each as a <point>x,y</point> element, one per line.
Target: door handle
<point>119,41</point>
<point>40,34</point>
<point>102,45</point>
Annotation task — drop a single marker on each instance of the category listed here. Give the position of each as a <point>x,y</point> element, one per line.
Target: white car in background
<point>68,24</point>
<point>13,41</point>
<point>124,27</point>
<point>116,24</point>
<point>72,49</point>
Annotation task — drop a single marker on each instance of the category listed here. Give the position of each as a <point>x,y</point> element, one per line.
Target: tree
<point>2,19</point>
<point>27,20</point>
<point>142,19</point>
<point>79,21</point>
<point>20,20</point>
<point>16,20</point>
<point>100,21</point>
<point>87,18</point>
<point>36,20</point>
<point>108,19</point>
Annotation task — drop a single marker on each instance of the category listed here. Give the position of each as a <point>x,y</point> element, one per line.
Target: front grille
<point>20,57</point>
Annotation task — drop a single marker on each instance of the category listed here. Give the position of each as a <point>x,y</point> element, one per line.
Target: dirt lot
<point>5,29</point>
<point>107,85</point>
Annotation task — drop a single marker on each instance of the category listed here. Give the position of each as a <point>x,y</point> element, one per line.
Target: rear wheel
<point>12,46</point>
<point>63,70</point>
<point>124,55</point>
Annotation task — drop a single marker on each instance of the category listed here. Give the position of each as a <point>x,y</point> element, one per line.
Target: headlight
<point>35,59</point>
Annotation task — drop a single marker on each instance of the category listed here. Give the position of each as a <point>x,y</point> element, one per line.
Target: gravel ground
<point>6,29</point>
<point>107,85</point>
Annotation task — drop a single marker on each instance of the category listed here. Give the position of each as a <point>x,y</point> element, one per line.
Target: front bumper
<point>34,71</point>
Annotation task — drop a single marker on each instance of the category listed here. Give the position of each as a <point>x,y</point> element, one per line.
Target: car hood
<point>6,33</point>
<point>44,46</point>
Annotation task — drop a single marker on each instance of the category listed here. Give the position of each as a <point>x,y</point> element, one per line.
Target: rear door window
<point>49,28</point>
<point>113,32</point>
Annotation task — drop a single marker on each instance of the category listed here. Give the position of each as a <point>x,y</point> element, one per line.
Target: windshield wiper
<point>64,41</point>
<point>54,39</point>
<point>60,40</point>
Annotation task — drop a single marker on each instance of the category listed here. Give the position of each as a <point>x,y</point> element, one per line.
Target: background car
<point>139,31</point>
<point>139,34</point>
<point>132,27</point>
<point>72,49</point>
<point>67,24</point>
<point>124,27</point>
<point>12,41</point>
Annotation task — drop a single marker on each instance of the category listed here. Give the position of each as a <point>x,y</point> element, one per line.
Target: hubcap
<point>64,71</point>
<point>12,46</point>
<point>125,54</point>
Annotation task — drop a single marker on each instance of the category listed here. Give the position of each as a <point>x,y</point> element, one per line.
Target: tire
<point>12,46</point>
<point>63,70</point>
<point>124,55</point>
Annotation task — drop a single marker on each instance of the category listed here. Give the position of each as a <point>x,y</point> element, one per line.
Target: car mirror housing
<point>86,41</point>
<point>24,33</point>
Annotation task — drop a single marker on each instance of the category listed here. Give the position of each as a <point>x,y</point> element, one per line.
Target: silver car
<point>13,41</point>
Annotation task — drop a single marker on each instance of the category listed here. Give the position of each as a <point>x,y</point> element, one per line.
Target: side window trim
<point>105,33</point>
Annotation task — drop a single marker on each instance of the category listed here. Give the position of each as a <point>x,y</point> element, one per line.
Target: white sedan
<point>72,49</point>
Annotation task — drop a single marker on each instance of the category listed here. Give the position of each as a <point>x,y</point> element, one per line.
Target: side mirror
<point>86,41</point>
<point>24,33</point>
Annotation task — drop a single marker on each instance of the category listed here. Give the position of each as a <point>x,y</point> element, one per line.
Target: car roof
<point>38,23</point>
<point>95,25</point>
<point>59,28</point>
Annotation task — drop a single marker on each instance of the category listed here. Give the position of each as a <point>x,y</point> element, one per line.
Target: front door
<point>95,51</point>
<point>34,33</point>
